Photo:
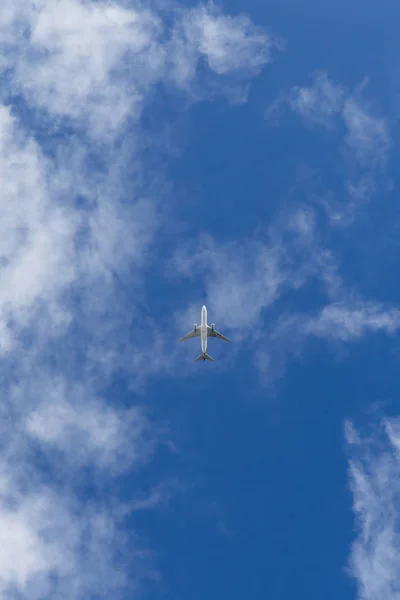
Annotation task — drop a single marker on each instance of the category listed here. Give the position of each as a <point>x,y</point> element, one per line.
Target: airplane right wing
<point>214,333</point>
<point>191,334</point>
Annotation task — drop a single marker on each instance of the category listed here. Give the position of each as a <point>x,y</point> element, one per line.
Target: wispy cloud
<point>362,138</point>
<point>90,61</point>
<point>330,104</point>
<point>320,103</point>
<point>374,469</point>
<point>50,545</point>
<point>228,43</point>
<point>85,430</point>
<point>94,63</point>
<point>229,46</point>
<point>238,289</point>
<point>349,319</point>
<point>79,214</point>
<point>352,320</point>
<point>367,135</point>
<point>252,288</point>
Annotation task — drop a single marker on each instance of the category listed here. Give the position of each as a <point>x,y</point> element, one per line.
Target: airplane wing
<point>214,333</point>
<point>191,334</point>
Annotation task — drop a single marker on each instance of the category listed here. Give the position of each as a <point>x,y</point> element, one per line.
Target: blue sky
<point>155,157</point>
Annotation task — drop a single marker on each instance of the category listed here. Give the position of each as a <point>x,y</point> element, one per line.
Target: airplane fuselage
<point>203,327</point>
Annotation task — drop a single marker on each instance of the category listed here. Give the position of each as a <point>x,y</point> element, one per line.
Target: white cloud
<point>252,289</point>
<point>374,468</point>
<point>95,62</point>
<point>236,290</point>
<point>86,430</point>
<point>324,102</point>
<point>363,139</point>
<point>243,281</point>
<point>24,555</point>
<point>352,320</point>
<point>232,47</point>
<point>52,547</point>
<point>228,43</point>
<point>345,318</point>
<point>36,246</point>
<point>319,103</point>
<point>77,56</point>
<point>79,212</point>
<point>50,245</point>
<point>367,135</point>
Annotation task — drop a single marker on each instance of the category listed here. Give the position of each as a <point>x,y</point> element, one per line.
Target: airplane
<point>204,331</point>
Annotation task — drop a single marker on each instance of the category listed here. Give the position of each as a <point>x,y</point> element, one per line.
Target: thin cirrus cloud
<point>251,289</point>
<point>262,271</point>
<point>364,139</point>
<point>328,104</point>
<point>352,320</point>
<point>291,255</point>
<point>374,469</point>
<point>85,430</point>
<point>49,545</point>
<point>229,44</point>
<point>319,103</point>
<point>76,76</point>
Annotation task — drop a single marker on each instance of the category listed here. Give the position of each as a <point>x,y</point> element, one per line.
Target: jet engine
<point>195,326</point>
<point>212,326</point>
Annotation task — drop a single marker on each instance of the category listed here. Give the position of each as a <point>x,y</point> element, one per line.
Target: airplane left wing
<point>191,334</point>
<point>214,333</point>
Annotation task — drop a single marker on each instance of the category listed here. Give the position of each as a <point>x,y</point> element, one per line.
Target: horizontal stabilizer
<point>204,356</point>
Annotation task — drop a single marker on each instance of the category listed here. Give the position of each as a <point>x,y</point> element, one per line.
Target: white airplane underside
<point>204,331</point>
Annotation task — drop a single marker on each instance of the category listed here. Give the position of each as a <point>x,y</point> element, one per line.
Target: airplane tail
<point>204,356</point>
